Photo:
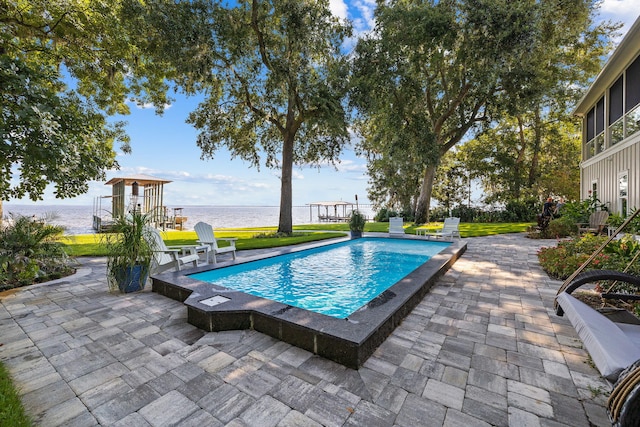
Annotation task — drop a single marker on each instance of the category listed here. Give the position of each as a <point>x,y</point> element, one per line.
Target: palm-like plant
<point>30,251</point>
<point>357,222</point>
<point>129,248</point>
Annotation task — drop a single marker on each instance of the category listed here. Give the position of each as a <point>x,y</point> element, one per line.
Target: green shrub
<point>521,210</point>
<point>357,221</point>
<point>384,214</point>
<point>561,261</point>
<point>30,252</point>
<point>580,211</point>
<point>469,214</point>
<point>561,227</point>
<point>271,235</point>
<point>615,220</point>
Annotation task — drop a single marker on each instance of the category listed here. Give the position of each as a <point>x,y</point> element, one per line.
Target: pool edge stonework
<point>346,341</point>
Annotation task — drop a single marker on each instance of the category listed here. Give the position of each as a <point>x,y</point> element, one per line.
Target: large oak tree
<point>65,67</point>
<point>274,80</point>
<point>461,62</point>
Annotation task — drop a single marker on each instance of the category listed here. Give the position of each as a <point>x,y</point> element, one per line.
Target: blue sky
<point>164,146</point>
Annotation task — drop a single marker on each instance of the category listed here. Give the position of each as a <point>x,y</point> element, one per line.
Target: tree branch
<point>256,29</point>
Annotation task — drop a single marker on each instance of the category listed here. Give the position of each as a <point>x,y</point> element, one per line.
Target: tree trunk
<point>424,200</point>
<point>286,200</point>
<point>534,169</point>
<point>517,179</point>
<point>1,214</point>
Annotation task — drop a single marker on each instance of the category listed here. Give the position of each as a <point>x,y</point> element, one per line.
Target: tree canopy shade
<point>532,159</point>
<point>54,133</point>
<point>274,79</point>
<point>426,88</point>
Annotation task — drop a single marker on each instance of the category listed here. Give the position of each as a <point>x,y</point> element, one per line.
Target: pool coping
<point>346,341</point>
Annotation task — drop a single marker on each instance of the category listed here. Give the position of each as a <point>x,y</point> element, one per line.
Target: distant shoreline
<point>78,219</point>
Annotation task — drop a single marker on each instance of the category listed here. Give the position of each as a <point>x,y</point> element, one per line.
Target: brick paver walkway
<point>483,348</point>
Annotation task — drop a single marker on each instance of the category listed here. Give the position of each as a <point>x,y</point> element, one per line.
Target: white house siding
<point>606,166</point>
<point>604,169</point>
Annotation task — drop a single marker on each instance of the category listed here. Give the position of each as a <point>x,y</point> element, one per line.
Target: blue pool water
<point>334,280</point>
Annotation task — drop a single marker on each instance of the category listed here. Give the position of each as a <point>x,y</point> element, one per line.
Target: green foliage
<point>514,211</point>
<point>384,214</point>
<point>556,229</point>
<point>274,80</point>
<point>528,157</point>
<point>30,252</point>
<point>11,409</point>
<point>616,220</point>
<point>130,245</point>
<point>532,147</point>
<point>54,133</point>
<point>451,184</point>
<point>357,221</point>
<point>561,261</point>
<point>580,211</point>
<point>271,235</point>
<point>521,210</point>
<point>561,227</point>
<point>465,65</point>
<point>624,249</point>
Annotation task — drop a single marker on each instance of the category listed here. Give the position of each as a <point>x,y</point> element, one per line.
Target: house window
<point>632,95</point>
<point>616,121</point>
<point>623,192</point>
<point>615,101</point>
<point>599,141</point>
<point>632,90</point>
<point>594,189</point>
<point>591,124</point>
<point>633,121</point>
<point>595,130</point>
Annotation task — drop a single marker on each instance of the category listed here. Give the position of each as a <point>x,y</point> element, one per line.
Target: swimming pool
<point>349,341</point>
<point>332,280</point>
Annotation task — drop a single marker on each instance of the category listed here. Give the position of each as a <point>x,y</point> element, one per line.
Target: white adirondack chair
<point>206,236</point>
<point>450,229</point>
<point>168,257</point>
<point>396,226</point>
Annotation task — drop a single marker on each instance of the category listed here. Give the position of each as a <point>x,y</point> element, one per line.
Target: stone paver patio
<point>483,348</point>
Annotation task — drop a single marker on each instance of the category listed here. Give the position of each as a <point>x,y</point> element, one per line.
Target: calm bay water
<point>78,219</point>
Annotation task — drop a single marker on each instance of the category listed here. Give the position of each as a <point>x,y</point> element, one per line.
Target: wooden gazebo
<point>150,200</point>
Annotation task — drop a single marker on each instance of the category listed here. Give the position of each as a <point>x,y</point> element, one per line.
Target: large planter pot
<point>356,234</point>
<point>132,279</point>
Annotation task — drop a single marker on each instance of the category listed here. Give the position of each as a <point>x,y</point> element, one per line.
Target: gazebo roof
<point>141,179</point>
<point>338,203</point>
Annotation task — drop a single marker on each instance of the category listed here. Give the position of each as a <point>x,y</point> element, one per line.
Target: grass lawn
<point>89,244</point>
<point>11,411</point>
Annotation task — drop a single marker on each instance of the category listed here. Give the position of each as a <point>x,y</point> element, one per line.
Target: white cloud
<point>146,105</point>
<point>351,166</point>
<point>625,11</point>
<point>366,10</point>
<point>338,8</point>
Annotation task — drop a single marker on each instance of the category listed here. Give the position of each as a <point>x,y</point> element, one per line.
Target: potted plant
<point>356,224</point>
<point>129,253</point>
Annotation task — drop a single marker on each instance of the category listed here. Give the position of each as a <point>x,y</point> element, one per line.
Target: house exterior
<point>610,112</point>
